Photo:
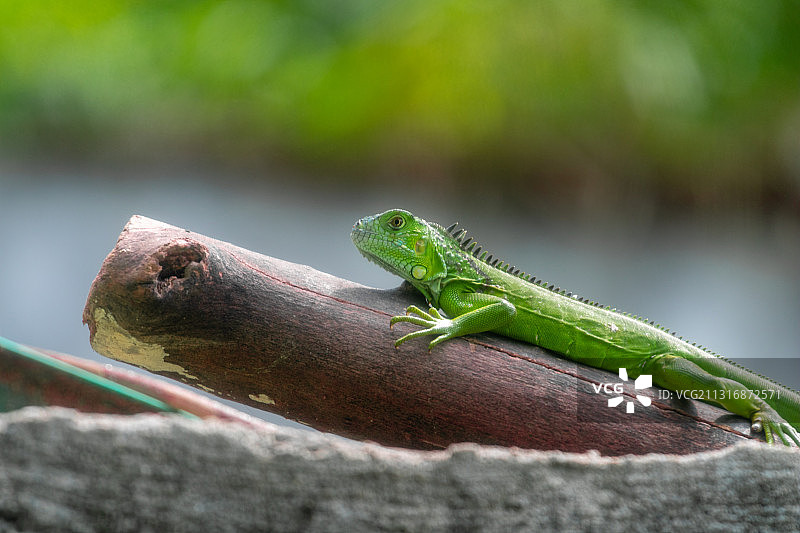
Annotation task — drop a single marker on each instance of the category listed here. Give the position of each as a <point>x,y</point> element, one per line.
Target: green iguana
<point>471,293</point>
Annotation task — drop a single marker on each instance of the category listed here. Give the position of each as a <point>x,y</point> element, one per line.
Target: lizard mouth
<point>362,238</point>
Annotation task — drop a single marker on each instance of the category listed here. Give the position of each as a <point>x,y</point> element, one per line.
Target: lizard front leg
<point>472,312</point>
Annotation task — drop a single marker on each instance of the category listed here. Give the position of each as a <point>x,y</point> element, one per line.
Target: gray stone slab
<point>64,471</point>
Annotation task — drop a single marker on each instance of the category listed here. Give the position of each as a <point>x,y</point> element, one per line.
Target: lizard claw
<point>772,424</point>
<point>432,322</point>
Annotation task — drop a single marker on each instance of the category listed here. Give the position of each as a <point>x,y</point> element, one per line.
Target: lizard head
<point>404,245</point>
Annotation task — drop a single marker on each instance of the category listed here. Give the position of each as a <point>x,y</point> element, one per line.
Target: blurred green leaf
<point>696,95</point>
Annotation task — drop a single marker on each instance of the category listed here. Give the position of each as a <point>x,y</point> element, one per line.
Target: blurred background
<point>643,154</point>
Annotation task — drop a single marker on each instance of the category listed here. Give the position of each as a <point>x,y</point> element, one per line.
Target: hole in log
<point>176,257</point>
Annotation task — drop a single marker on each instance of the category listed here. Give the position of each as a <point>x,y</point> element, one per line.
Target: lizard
<point>470,292</point>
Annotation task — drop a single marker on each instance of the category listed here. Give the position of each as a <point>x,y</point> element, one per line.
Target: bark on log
<point>317,349</point>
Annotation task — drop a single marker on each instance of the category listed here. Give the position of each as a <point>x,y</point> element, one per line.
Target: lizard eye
<point>397,222</point>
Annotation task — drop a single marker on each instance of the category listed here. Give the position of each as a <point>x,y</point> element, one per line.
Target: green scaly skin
<point>476,293</point>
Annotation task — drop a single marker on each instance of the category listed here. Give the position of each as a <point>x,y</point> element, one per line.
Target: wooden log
<point>317,349</point>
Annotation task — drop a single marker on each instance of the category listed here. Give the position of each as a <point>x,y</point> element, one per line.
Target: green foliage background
<point>692,103</point>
